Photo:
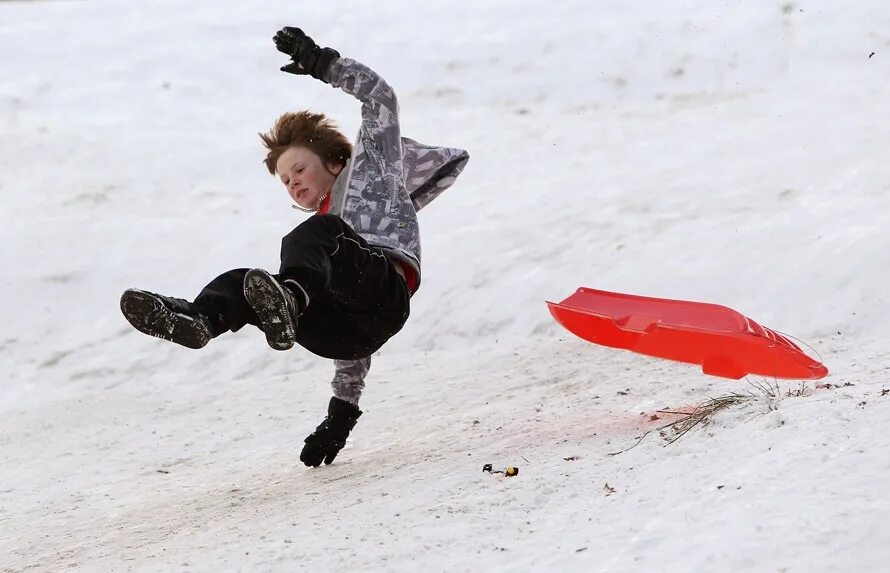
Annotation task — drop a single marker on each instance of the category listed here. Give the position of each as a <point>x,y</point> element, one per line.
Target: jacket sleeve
<point>349,378</point>
<point>380,108</point>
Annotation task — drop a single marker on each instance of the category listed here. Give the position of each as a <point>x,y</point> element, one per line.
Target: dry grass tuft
<point>703,414</point>
<point>700,415</point>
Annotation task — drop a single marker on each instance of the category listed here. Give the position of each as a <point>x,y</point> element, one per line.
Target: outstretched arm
<point>329,437</point>
<point>349,378</point>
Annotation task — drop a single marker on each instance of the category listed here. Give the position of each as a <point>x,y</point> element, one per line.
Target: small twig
<point>674,413</point>
<point>635,444</point>
<point>658,429</point>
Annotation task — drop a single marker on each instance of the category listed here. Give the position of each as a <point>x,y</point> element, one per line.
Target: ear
<point>335,168</point>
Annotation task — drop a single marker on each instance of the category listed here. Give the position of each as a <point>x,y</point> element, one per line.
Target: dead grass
<point>700,415</point>
<point>703,414</point>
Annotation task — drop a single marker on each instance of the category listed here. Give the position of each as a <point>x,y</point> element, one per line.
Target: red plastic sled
<point>723,341</point>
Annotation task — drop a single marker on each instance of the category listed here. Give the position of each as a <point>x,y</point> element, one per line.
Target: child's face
<point>305,176</point>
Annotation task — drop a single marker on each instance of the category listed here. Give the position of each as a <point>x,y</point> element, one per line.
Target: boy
<point>348,272</point>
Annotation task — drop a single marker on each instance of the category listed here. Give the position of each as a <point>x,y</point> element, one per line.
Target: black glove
<point>330,436</point>
<point>308,58</point>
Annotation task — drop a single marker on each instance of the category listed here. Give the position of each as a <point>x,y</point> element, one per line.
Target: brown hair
<point>313,131</point>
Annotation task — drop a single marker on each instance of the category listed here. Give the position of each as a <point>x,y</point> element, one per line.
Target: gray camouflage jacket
<point>383,185</point>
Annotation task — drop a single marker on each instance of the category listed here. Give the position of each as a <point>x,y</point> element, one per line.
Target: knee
<point>327,221</point>
<point>314,227</point>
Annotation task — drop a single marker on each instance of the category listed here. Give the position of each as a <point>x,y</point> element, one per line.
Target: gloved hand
<point>308,58</point>
<point>330,436</point>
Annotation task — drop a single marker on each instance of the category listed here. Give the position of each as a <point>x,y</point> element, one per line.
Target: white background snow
<point>728,152</point>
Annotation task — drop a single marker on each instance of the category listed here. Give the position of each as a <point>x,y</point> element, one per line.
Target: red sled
<point>724,342</point>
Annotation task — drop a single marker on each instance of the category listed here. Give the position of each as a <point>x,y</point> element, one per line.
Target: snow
<point>726,152</point>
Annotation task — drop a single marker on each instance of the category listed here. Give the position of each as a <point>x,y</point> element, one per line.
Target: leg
<point>349,296</point>
<point>223,302</point>
<point>220,307</point>
<point>366,300</point>
<point>324,255</point>
<point>166,317</point>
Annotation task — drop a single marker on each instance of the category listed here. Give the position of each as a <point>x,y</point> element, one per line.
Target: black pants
<point>357,300</point>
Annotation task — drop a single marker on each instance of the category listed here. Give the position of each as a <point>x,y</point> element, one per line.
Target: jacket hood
<point>429,170</point>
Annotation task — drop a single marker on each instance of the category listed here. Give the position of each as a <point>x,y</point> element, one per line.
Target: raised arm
<point>380,108</point>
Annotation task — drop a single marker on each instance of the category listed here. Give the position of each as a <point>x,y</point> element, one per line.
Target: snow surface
<point>727,152</point>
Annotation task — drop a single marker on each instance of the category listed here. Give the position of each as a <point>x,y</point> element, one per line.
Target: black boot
<point>275,305</point>
<point>172,319</point>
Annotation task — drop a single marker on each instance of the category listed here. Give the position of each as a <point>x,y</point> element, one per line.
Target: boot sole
<point>149,316</point>
<point>267,299</point>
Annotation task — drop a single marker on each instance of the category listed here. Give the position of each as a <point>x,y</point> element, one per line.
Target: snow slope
<point>728,152</point>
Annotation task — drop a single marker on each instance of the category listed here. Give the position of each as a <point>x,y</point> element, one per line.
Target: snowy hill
<point>728,152</point>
